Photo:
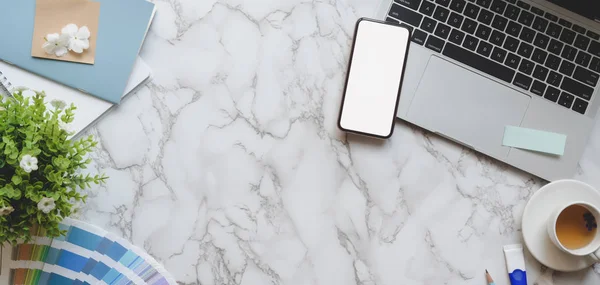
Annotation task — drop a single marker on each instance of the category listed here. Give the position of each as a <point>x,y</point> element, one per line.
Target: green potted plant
<point>40,167</point>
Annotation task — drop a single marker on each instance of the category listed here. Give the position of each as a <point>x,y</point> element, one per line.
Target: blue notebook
<point>123,25</point>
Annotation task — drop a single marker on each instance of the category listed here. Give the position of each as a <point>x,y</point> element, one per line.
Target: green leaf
<point>16,179</point>
<point>27,126</point>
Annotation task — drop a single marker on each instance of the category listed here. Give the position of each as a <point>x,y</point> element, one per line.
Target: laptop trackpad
<point>466,106</point>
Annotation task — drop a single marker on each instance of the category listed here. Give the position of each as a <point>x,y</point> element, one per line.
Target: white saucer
<point>535,217</point>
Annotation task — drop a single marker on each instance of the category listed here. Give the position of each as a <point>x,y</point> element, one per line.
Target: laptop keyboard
<point>512,41</point>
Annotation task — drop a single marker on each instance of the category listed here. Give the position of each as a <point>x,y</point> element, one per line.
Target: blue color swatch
<point>71,261</point>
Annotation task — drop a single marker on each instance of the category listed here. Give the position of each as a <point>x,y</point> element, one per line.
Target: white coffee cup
<point>593,248</point>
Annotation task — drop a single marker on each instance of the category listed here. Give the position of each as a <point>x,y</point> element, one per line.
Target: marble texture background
<point>229,169</point>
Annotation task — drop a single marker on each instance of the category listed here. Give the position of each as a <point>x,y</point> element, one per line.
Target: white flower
<point>79,38</point>
<point>56,44</point>
<point>76,209</point>
<point>29,163</point>
<point>46,205</point>
<point>65,127</point>
<point>5,211</point>
<point>58,104</point>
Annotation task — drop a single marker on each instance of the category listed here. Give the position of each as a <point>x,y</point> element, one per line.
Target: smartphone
<point>374,79</point>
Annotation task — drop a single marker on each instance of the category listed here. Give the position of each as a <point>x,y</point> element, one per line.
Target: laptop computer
<point>477,66</point>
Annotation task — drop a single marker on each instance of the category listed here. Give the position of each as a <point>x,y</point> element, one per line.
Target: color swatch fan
<point>86,255</point>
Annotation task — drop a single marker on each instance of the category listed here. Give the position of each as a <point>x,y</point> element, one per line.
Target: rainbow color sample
<point>85,255</point>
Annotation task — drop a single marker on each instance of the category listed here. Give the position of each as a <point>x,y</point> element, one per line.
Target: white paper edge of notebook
<point>89,108</point>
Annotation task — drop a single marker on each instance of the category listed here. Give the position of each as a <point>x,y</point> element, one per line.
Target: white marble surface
<point>229,168</point>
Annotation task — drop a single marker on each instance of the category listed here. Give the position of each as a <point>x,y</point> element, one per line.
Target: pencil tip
<point>486,271</point>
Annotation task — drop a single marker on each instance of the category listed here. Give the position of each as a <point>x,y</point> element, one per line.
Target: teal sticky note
<point>535,140</point>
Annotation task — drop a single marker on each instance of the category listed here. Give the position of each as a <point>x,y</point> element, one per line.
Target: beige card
<point>51,16</point>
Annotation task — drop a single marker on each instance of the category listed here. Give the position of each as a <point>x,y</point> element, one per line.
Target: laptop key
<point>527,35</point>
<point>569,53</point>
<point>498,6</point>
<point>456,36</point>
<point>554,79</point>
<point>485,17</point>
<point>595,64</point>
<point>523,5</point>
<point>526,66</point>
<point>577,89</point>
<point>540,72</point>
<point>594,48</point>
<point>469,26</point>
<point>566,100</point>
<point>442,31</point>
<point>484,3</point>
<point>497,38</point>
<point>526,18</point>
<point>539,56</point>
<point>434,43</point>
<point>512,1</point>
<point>582,42</point>
<point>427,8</point>
<point>513,29</point>
<point>553,30</point>
<point>525,50</point>
<point>555,47</point>
<point>593,35</point>
<point>583,59</point>
<point>470,43</point>
<point>405,15</point>
<point>523,81</point>
<point>483,32</point>
<point>540,24</point>
<point>441,14</point>
<point>478,62</point>
<point>580,106</point>
<point>472,11</point>
<point>538,88</point>
<point>550,17</point>
<point>586,76</point>
<point>499,23</point>
<point>428,25</point>
<point>458,5</point>
<point>499,54</point>
<point>537,11</point>
<point>579,29</point>
<point>513,60</point>
<point>565,23</point>
<point>552,94</point>
<point>413,4</point>
<point>541,41</point>
<point>567,36</point>
<point>511,44</point>
<point>552,62</point>
<point>484,49</point>
<point>392,20</point>
<point>512,12</point>
<point>455,20</point>
<point>444,3</point>
<point>419,37</point>
<point>566,68</point>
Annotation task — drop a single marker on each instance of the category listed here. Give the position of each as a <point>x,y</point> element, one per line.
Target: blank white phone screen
<point>374,78</point>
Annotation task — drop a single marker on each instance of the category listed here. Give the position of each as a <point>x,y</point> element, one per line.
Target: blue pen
<point>515,263</point>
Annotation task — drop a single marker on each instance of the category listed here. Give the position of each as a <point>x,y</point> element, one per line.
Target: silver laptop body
<point>462,103</point>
